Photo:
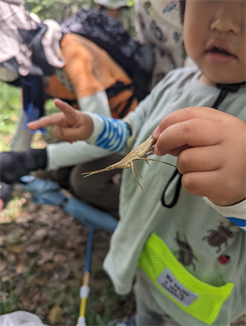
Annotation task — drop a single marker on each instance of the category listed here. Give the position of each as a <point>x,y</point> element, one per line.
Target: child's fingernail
<point>156,132</point>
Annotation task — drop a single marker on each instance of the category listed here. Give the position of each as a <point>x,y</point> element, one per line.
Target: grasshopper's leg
<point>147,161</point>
<point>136,170</point>
<point>133,172</point>
<point>151,159</point>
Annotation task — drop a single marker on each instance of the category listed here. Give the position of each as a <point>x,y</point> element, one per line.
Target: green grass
<point>10,106</point>
<point>108,306</point>
<point>7,302</point>
<point>99,308</point>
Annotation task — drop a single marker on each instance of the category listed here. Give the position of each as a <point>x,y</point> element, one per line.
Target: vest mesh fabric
<point>156,257</point>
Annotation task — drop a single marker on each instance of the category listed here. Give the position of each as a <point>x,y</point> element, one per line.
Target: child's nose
<point>226,19</point>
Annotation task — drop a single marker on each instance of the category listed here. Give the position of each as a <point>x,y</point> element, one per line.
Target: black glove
<point>5,194</point>
<point>14,165</point>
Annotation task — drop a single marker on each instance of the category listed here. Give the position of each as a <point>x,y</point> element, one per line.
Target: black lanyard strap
<point>225,89</point>
<point>176,192</point>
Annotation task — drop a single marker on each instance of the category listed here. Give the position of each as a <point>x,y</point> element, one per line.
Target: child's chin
<point>223,77</point>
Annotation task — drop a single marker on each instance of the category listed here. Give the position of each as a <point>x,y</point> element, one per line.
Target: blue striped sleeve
<point>109,133</point>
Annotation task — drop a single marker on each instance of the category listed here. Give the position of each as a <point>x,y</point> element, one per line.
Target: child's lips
<point>220,58</point>
<point>219,53</point>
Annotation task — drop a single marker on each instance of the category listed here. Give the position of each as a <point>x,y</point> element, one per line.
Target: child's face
<point>215,38</point>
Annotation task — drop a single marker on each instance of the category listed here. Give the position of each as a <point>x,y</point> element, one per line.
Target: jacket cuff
<point>235,213</point>
<point>97,103</point>
<point>98,127</point>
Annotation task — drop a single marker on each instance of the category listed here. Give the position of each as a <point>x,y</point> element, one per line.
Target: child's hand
<point>211,150</point>
<point>71,125</point>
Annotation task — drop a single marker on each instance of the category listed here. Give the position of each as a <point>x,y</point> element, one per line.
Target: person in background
<point>157,24</point>
<point>57,158</point>
<point>92,81</point>
<point>184,239</point>
<point>112,8</point>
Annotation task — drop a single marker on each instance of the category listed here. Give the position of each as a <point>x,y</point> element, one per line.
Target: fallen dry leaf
<point>11,258</point>
<point>43,281</point>
<point>40,233</point>
<point>63,271</point>
<point>46,255</point>
<point>33,248</point>
<point>23,265</point>
<point>2,240</point>
<point>15,236</point>
<point>59,258</point>
<point>15,249</point>
<point>6,278</point>
<point>3,265</point>
<point>29,298</point>
<point>48,266</point>
<point>55,314</point>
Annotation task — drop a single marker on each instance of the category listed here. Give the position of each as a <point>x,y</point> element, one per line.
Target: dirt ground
<point>42,262</point>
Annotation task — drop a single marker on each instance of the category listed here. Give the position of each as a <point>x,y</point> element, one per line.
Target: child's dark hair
<point>182,10</point>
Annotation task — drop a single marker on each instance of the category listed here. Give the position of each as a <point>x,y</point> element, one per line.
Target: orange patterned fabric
<point>57,90</point>
<point>91,70</point>
<point>119,103</point>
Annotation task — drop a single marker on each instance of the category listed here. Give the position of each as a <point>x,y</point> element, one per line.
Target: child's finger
<point>193,132</point>
<point>178,150</point>
<point>68,110</point>
<point>200,159</point>
<point>206,184</point>
<point>188,114</point>
<point>201,183</point>
<point>67,134</point>
<point>52,120</point>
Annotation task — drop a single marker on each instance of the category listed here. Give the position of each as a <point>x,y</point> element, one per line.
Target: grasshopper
<point>141,152</point>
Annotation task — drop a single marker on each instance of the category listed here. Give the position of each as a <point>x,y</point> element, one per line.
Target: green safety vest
<point>199,299</point>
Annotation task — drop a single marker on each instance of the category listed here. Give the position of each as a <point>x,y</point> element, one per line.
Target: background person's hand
<point>16,164</point>
<point>211,150</point>
<point>70,125</point>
